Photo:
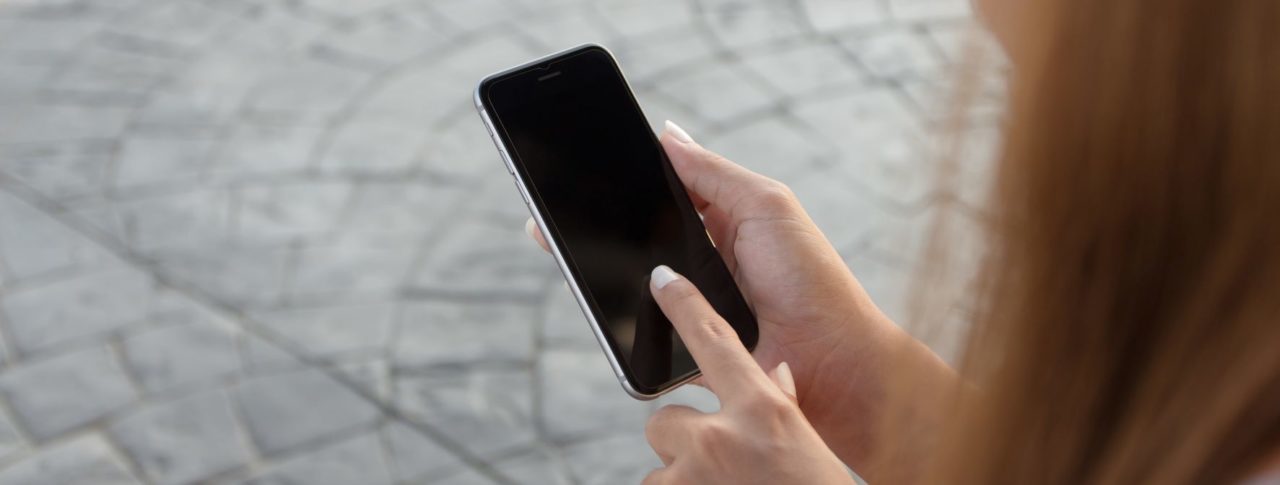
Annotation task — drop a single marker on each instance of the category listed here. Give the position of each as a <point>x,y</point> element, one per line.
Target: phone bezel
<point>630,385</point>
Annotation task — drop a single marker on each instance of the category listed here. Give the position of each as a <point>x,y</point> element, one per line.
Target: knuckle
<point>716,329</point>
<point>775,194</point>
<point>769,405</point>
<point>713,436</point>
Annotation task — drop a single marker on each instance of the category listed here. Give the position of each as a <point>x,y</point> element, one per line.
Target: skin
<point>813,315</point>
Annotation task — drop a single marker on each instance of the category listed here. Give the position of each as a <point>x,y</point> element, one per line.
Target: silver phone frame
<point>574,285</point>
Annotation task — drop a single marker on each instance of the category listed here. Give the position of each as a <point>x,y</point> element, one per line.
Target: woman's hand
<point>812,312</point>
<point>758,436</point>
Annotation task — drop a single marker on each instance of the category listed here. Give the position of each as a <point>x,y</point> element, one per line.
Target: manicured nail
<point>678,133</point>
<point>529,227</point>
<point>785,380</point>
<point>662,276</point>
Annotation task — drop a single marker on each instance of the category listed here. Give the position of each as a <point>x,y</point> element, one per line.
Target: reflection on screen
<point>614,206</point>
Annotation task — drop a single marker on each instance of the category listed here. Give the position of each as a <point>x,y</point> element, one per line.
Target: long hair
<point>1128,325</point>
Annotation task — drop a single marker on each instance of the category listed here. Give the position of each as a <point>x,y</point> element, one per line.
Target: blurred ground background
<point>268,241</point>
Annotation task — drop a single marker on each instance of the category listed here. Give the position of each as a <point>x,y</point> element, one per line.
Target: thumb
<point>782,377</point>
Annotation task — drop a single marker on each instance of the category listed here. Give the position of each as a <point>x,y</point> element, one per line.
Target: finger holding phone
<point>759,435</point>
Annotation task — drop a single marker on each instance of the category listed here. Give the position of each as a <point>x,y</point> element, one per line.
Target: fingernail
<point>662,276</point>
<point>529,227</point>
<point>785,380</point>
<point>678,133</point>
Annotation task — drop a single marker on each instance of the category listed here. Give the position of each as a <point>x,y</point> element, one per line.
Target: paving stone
<point>894,54</point>
<point>351,270</point>
<point>645,59</point>
<point>917,10</point>
<point>177,222</point>
<point>74,308</point>
<point>581,396</point>
<point>484,257</point>
<point>241,276</point>
<point>373,145</point>
<point>805,68</point>
<point>633,19</point>
<point>182,355</point>
<point>259,357</point>
<point>333,331</point>
<point>776,147</point>
<point>277,213</point>
<point>488,411</point>
<point>44,245</point>
<point>11,440</point>
<point>563,323</point>
<point>57,395</point>
<point>539,466</point>
<point>743,24</point>
<point>624,458</point>
<point>838,15</point>
<point>718,91</point>
<point>183,441</point>
<point>353,460</point>
<point>162,159</point>
<point>63,176</point>
<point>253,151</point>
<point>456,334</point>
<point>87,460</point>
<point>286,411</point>
<point>565,30</point>
<point>415,457</point>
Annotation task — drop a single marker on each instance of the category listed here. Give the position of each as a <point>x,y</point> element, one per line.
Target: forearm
<point>874,397</point>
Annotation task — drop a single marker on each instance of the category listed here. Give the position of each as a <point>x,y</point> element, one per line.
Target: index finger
<point>727,366</point>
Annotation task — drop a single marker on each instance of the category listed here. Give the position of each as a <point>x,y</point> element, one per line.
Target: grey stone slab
<point>87,460</point>
<point>395,34</point>
<point>404,212</point>
<point>457,334</point>
<point>180,26</point>
<point>241,276</point>
<point>259,357</point>
<point>646,59</point>
<point>183,441</point>
<point>488,411</point>
<point>64,393</point>
<point>894,54</point>
<point>415,457</point>
<point>32,121</point>
<point>802,69</point>
<point>290,410</point>
<point>183,355</point>
<point>106,69</point>
<point>196,219</point>
<point>540,466</point>
<point>303,89</point>
<point>568,29</point>
<point>484,257</point>
<point>350,461</point>
<point>632,19</point>
<point>840,15</point>
<point>271,214</point>
<point>582,397</point>
<point>330,331</point>
<point>11,441</point>
<point>718,91</point>
<point>374,145</point>
<point>59,177</point>
<point>161,159</point>
<point>563,323</point>
<point>34,244</point>
<point>254,151</point>
<point>774,146</point>
<point>81,306</point>
<point>744,24</point>
<point>351,270</point>
<point>469,477</point>
<point>623,458</point>
<point>923,10</point>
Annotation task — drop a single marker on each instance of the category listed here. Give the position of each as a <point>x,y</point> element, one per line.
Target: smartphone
<point>611,207</point>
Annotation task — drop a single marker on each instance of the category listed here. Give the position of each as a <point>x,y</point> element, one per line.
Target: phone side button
<point>523,193</point>
<point>506,160</point>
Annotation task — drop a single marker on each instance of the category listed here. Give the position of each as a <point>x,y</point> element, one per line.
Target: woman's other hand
<point>758,436</point>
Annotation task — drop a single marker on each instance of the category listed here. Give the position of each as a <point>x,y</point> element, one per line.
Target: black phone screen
<point>613,204</point>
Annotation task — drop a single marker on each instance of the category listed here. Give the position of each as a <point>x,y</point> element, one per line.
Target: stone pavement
<point>268,241</point>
